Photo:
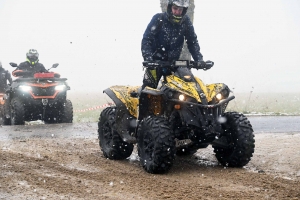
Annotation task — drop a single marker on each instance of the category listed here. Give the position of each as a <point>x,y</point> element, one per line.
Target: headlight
<point>60,87</point>
<point>219,96</point>
<point>181,97</point>
<point>187,78</point>
<point>25,88</point>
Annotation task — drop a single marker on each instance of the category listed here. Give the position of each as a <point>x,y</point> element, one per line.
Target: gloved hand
<point>208,64</point>
<point>147,63</point>
<point>200,64</point>
<point>151,67</point>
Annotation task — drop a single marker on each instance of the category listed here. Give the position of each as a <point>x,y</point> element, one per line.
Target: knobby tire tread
<point>239,133</point>
<point>111,143</point>
<point>156,145</point>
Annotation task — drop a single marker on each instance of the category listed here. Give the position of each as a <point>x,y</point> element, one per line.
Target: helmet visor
<point>181,3</point>
<point>177,8</point>
<point>32,56</point>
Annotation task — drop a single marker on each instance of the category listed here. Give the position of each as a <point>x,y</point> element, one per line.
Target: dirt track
<point>69,168</point>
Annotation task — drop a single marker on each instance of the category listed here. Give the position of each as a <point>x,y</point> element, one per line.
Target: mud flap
<point>123,118</point>
<point>123,127</point>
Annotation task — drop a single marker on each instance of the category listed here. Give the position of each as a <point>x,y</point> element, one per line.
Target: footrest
<point>128,138</point>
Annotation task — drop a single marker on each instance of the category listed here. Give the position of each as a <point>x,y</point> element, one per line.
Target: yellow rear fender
<point>121,95</point>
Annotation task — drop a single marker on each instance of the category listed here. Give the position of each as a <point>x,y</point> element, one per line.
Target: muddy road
<point>64,161</point>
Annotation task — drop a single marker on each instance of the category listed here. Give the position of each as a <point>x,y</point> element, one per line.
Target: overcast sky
<point>255,44</point>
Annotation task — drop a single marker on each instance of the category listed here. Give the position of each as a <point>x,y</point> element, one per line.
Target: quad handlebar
<point>35,74</point>
<point>180,63</point>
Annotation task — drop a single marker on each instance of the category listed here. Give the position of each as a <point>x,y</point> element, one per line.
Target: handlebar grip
<point>150,64</point>
<point>209,64</point>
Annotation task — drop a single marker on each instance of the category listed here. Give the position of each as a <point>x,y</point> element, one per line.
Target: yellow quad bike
<point>179,117</point>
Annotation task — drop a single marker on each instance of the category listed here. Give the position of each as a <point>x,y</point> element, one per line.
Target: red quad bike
<point>42,97</point>
<point>179,117</point>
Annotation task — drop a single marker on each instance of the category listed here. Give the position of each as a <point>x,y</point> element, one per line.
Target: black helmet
<point>180,3</point>
<point>32,56</point>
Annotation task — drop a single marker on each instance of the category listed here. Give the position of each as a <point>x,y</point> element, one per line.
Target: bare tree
<point>185,54</point>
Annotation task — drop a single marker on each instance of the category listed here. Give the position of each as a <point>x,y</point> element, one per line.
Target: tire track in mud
<point>75,168</point>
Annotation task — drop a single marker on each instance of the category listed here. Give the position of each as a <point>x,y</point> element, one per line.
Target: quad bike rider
<point>37,95</point>
<point>4,78</point>
<point>179,117</point>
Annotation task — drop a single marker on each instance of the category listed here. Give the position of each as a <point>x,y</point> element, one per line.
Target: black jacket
<point>32,69</point>
<point>4,77</point>
<point>163,40</point>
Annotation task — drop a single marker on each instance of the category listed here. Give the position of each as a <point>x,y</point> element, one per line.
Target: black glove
<point>208,64</point>
<point>200,64</point>
<point>147,62</point>
<point>150,66</point>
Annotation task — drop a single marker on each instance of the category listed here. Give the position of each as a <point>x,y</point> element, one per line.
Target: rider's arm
<point>42,68</point>
<point>192,41</point>
<point>148,40</point>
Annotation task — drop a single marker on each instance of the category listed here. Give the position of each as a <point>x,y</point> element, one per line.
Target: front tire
<point>5,110</point>
<point>111,143</point>
<point>2,116</point>
<point>66,113</point>
<point>239,135</point>
<point>17,112</point>
<point>156,145</point>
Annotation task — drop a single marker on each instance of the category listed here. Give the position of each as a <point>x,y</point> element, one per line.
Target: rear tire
<point>156,145</point>
<point>239,135</point>
<point>111,143</point>
<point>17,112</point>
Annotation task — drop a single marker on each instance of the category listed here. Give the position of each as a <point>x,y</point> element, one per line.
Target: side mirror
<point>13,64</point>
<point>55,65</point>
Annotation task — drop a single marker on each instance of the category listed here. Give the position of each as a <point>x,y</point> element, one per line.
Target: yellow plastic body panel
<point>188,88</point>
<point>123,93</point>
<point>214,89</point>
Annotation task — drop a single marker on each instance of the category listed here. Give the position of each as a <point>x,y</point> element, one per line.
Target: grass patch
<point>266,104</point>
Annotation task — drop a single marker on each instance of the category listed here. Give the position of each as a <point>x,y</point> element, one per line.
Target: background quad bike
<point>42,97</point>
